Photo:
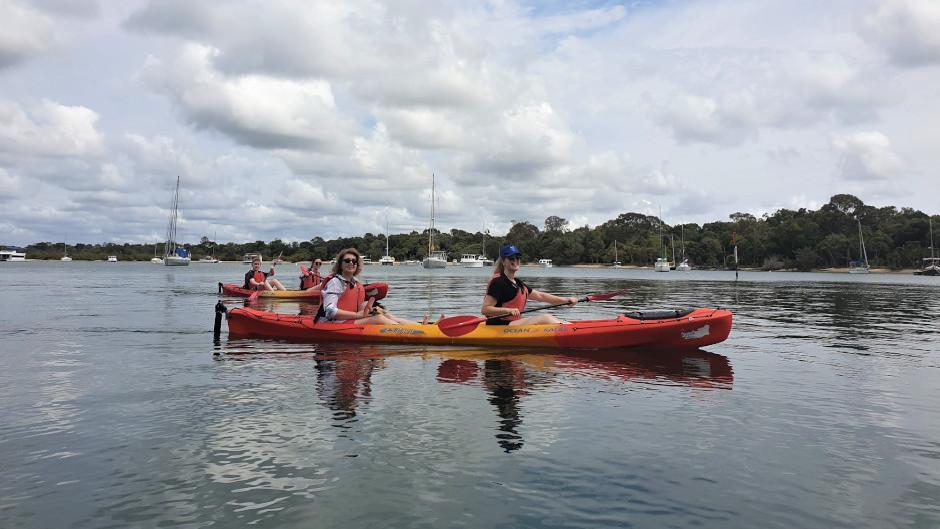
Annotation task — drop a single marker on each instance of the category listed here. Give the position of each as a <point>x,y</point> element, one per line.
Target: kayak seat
<point>658,314</point>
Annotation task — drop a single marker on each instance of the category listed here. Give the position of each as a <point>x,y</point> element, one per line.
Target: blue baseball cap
<point>509,250</point>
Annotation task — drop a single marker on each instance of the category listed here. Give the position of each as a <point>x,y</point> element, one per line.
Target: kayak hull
<point>376,290</point>
<point>699,328</point>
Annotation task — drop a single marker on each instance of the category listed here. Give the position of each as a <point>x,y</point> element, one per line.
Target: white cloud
<point>25,33</point>
<point>867,156</point>
<point>254,110</point>
<point>49,129</point>
<point>11,185</point>
<point>907,30</point>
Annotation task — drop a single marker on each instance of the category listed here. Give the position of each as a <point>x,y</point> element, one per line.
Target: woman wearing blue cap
<point>507,295</point>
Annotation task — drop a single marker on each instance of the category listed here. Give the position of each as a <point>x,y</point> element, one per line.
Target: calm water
<point>821,410</point>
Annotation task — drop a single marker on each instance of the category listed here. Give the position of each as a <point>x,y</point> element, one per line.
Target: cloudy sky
<point>299,118</point>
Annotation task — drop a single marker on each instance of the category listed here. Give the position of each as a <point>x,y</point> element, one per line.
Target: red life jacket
<point>351,298</point>
<point>518,302</point>
<point>310,278</point>
<point>259,278</point>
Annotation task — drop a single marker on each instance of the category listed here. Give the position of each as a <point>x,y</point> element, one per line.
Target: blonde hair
<point>499,266</point>
<point>337,269</point>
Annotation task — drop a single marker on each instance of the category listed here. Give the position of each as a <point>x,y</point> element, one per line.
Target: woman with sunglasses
<point>344,297</point>
<point>507,294</point>
<point>310,279</point>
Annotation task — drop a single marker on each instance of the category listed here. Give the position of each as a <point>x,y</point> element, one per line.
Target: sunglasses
<point>350,261</point>
<point>516,257</point>
<point>317,263</point>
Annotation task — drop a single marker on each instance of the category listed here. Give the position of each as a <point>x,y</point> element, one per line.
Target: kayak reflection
<point>508,377</point>
<point>697,368</point>
<point>344,373</point>
<point>345,380</point>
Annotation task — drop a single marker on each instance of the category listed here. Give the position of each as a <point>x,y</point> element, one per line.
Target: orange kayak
<point>373,290</point>
<point>673,329</point>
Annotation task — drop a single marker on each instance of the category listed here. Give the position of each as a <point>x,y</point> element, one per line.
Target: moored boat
<point>668,329</point>
<point>435,258</point>
<point>931,265</point>
<point>12,255</point>
<point>471,260</point>
<point>173,253</point>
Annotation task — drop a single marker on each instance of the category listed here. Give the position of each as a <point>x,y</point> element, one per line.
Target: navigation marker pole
<point>734,242</point>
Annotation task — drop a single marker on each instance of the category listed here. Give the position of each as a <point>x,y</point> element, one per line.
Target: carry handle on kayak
<point>461,325</point>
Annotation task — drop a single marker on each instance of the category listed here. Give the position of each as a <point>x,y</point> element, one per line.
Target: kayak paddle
<point>461,325</point>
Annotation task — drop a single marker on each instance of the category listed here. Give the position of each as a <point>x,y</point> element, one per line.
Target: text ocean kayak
<point>681,329</point>
<point>373,290</point>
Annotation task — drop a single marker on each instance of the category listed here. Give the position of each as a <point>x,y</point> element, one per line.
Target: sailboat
<point>211,259</point>
<point>65,257</point>
<point>616,263</point>
<point>174,255</point>
<point>156,259</point>
<point>860,267</point>
<point>684,266</point>
<point>931,266</point>
<point>386,260</point>
<point>662,263</point>
<point>435,259</point>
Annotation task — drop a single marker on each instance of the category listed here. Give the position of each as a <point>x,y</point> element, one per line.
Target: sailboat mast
<point>861,243</point>
<point>930,224</point>
<point>431,231</point>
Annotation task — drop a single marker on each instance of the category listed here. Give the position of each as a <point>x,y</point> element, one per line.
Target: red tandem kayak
<point>373,290</point>
<point>667,329</point>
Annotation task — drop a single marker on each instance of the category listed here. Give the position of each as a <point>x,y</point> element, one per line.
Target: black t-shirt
<point>251,273</point>
<point>503,290</point>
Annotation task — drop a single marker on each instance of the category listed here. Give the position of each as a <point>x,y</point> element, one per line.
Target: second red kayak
<point>373,290</point>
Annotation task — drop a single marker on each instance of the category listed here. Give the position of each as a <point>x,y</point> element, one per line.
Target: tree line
<point>787,239</point>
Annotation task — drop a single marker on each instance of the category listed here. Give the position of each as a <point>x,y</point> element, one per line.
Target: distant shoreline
<point>903,271</point>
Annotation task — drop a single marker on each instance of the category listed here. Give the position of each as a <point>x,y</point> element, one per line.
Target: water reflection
<point>508,377</point>
<point>343,381</point>
<point>345,373</point>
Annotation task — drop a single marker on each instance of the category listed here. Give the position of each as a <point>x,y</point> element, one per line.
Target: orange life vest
<point>259,278</point>
<point>310,278</point>
<point>518,302</point>
<point>349,300</point>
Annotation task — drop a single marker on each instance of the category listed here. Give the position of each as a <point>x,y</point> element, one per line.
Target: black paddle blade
<point>459,325</point>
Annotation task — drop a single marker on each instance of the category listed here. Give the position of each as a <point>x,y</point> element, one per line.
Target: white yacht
<point>208,259</point>
<point>65,258</point>
<point>661,265</point>
<point>470,260</point>
<point>386,260</point>
<point>684,266</point>
<point>435,259</point>
<point>174,255</point>
<point>12,255</point>
<point>248,257</point>
<point>860,266</point>
<point>112,258</point>
<point>545,263</point>
<point>931,265</point>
